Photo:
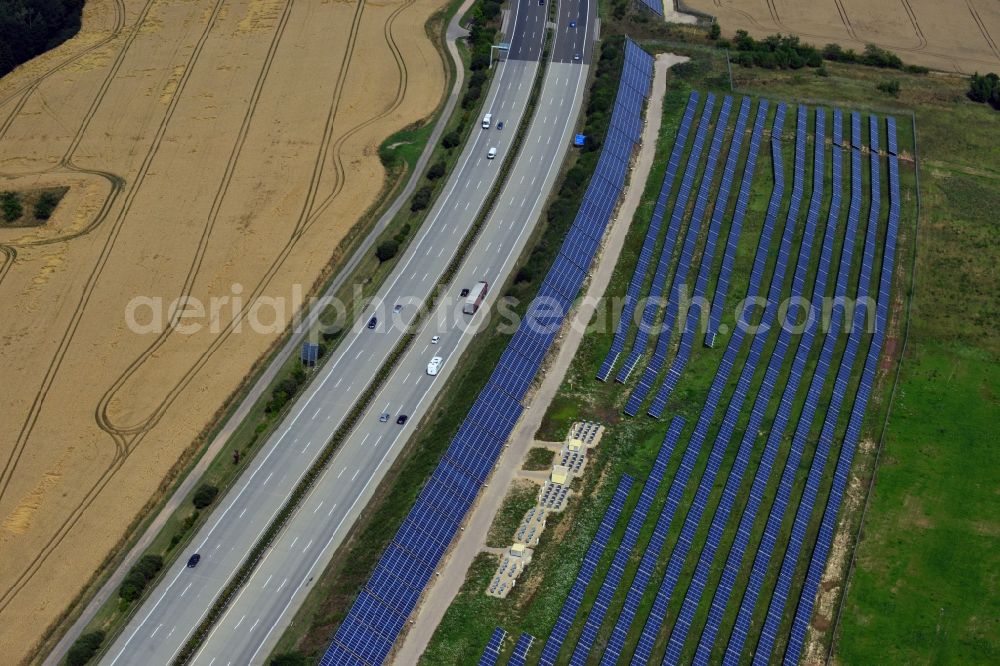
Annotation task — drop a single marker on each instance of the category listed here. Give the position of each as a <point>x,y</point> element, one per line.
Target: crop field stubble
<point>956,35</point>
<point>206,144</point>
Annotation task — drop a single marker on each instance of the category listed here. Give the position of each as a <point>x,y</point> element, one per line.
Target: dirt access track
<point>949,35</point>
<point>213,148</point>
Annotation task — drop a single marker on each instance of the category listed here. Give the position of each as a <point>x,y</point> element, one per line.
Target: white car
<point>491,153</point>
<point>434,366</point>
<point>435,339</point>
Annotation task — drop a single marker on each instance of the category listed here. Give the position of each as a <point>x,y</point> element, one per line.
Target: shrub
<point>289,659</point>
<point>437,170</point>
<point>204,496</point>
<point>714,32</point>
<point>84,648</point>
<point>985,89</point>
<point>479,61</point>
<point>471,97</point>
<point>45,205</point>
<point>890,87</point>
<point>879,57</point>
<point>138,576</point>
<point>451,139</point>
<point>10,203</point>
<point>821,71</point>
<point>421,199</point>
<point>386,250</point>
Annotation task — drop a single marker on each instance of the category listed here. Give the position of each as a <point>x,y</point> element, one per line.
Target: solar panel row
<point>742,391</point>
<point>742,204</point>
<point>742,460</point>
<point>658,612</point>
<point>655,6</point>
<point>771,534</point>
<point>590,560</point>
<point>685,262</point>
<point>520,654</point>
<point>371,627</point>
<point>772,622</point>
<point>649,243</point>
<point>616,643</point>
<point>646,325</point>
<point>614,576</point>
<point>492,650</point>
<point>693,317</point>
<point>824,540</point>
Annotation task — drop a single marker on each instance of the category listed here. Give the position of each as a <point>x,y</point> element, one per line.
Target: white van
<point>487,120</point>
<point>434,365</point>
<point>491,154</point>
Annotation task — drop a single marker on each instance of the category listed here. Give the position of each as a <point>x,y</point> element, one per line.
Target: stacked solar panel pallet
<point>377,616</point>
<point>708,648</point>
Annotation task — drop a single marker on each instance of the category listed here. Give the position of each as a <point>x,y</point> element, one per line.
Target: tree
<point>11,206</point>
<point>437,170</point>
<point>890,87</point>
<point>45,205</point>
<point>204,496</point>
<point>714,32</point>
<point>84,648</point>
<point>985,89</point>
<point>451,139</point>
<point>386,250</point>
<point>289,659</point>
<point>421,199</point>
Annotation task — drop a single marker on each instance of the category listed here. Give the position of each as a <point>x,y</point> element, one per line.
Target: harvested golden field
<point>213,148</point>
<point>950,35</point>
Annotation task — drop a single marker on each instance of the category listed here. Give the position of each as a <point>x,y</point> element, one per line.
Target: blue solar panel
<point>648,245</point>
<point>824,539</point>
<point>590,560</point>
<point>610,585</point>
<point>771,531</point>
<point>742,205</point>
<point>684,264</point>
<point>524,642</point>
<point>646,325</point>
<point>616,643</point>
<point>373,623</point>
<point>492,650</point>
<point>802,516</point>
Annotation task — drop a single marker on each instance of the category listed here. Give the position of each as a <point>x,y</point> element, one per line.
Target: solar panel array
<point>520,653</point>
<point>658,613</point>
<point>646,325</point>
<point>378,614</point>
<point>685,263</point>
<point>742,204</point>
<point>779,596</point>
<point>492,650</point>
<point>614,576</point>
<point>704,272</point>
<point>824,539</point>
<point>616,643</point>
<point>742,391</point>
<point>590,560</point>
<point>649,243</point>
<point>742,460</point>
<point>772,529</point>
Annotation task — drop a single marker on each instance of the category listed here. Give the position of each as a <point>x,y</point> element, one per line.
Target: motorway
<point>248,630</point>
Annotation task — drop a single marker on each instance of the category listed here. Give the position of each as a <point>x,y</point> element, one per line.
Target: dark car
<point>465,292</point>
<point>372,323</point>
<point>401,419</point>
<point>193,561</point>
<point>500,125</point>
<point>576,56</point>
<point>383,417</point>
<point>572,24</point>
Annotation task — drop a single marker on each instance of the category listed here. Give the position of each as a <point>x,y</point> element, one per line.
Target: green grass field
<point>924,586</point>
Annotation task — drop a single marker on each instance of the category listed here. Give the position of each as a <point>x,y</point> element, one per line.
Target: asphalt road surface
<point>255,620</point>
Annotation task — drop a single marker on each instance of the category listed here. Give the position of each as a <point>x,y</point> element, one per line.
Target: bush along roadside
<point>364,400</point>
